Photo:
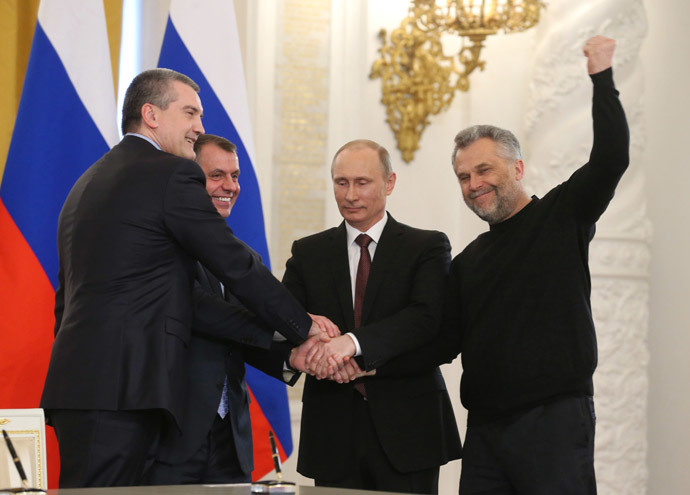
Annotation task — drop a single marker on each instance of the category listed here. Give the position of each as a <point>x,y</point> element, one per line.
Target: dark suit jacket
<point>128,237</point>
<point>413,416</point>
<point>211,359</point>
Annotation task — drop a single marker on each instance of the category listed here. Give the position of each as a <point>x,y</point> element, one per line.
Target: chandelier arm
<point>418,79</point>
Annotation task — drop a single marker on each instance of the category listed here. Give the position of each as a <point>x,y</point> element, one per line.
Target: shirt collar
<point>145,138</point>
<point>374,232</point>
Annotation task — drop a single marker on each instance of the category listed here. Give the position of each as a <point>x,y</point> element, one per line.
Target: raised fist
<point>599,53</point>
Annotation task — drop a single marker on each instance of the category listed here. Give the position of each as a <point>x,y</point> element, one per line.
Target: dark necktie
<point>363,267</point>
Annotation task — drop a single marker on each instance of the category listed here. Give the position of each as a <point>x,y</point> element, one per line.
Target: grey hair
<point>384,156</point>
<point>151,86</point>
<point>508,147</point>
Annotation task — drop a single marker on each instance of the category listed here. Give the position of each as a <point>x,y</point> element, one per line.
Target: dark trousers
<point>215,462</point>
<point>545,451</point>
<point>105,448</point>
<point>372,469</point>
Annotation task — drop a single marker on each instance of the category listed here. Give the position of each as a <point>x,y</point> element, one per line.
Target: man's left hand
<point>298,355</point>
<point>324,325</point>
<point>599,53</point>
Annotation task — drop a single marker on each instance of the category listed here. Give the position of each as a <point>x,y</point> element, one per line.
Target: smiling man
<point>214,444</point>
<point>129,235</point>
<point>518,306</point>
<point>382,281</point>
<point>217,157</point>
<point>490,171</point>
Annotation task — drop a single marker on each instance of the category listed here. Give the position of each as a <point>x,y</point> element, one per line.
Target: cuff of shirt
<point>290,375</point>
<point>358,352</point>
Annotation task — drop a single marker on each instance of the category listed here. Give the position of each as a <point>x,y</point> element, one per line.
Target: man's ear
<point>149,115</point>
<point>390,183</point>
<point>519,169</point>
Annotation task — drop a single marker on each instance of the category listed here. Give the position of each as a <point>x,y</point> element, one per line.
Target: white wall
<point>667,167</point>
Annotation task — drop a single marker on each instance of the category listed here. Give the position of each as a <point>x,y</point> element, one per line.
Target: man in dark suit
<point>214,443</point>
<point>129,235</point>
<point>388,434</point>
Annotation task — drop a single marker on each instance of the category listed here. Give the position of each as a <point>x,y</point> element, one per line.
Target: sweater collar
<point>515,219</point>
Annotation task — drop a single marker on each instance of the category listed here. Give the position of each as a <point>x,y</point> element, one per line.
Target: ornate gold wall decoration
<point>418,79</point>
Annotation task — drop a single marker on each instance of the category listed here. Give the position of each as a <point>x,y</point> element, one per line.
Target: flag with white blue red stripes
<point>66,120</point>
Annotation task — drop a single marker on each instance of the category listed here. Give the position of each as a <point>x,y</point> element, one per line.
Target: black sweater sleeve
<point>592,186</point>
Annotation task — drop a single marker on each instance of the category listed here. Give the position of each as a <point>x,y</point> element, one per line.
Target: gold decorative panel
<point>300,149</point>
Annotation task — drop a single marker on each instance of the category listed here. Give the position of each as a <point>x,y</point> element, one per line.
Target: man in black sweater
<point>518,307</point>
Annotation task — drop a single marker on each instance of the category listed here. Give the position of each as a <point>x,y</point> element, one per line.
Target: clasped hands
<point>327,354</point>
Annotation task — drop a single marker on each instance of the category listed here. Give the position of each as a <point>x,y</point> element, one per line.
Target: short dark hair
<point>507,144</point>
<point>221,142</point>
<point>384,156</point>
<point>151,86</point>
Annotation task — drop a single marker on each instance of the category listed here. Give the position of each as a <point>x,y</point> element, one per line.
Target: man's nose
<point>475,182</point>
<point>198,126</point>
<point>231,185</point>
<point>351,193</point>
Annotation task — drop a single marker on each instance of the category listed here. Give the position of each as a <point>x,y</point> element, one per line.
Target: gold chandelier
<point>417,79</point>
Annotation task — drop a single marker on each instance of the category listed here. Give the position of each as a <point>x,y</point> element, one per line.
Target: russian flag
<point>201,41</point>
<point>66,120</point>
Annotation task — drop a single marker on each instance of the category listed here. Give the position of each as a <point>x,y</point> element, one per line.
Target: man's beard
<point>502,206</point>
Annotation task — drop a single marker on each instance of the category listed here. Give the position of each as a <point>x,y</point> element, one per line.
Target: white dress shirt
<point>145,139</point>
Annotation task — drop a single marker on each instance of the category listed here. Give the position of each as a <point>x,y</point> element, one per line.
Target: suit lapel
<point>340,268</point>
<point>387,251</point>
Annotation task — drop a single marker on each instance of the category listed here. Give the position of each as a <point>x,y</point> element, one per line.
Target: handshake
<point>327,354</point>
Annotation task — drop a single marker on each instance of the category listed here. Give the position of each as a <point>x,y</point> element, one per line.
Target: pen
<point>276,457</point>
<point>16,460</point>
